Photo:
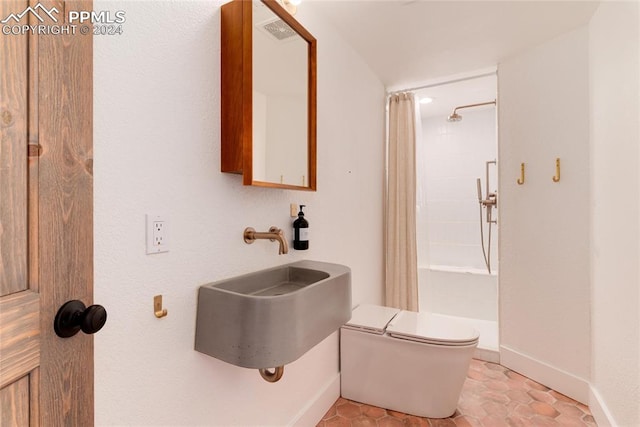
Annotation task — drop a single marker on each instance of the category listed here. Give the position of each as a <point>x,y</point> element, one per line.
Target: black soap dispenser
<point>301,232</point>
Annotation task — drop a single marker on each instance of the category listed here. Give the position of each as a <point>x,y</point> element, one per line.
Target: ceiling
<point>446,97</point>
<point>406,42</point>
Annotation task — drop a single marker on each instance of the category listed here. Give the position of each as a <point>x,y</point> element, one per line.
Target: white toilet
<point>405,361</point>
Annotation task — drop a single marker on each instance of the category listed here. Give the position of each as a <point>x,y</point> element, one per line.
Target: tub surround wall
<point>452,156</point>
<point>544,226</point>
<point>157,149</point>
<point>614,48</point>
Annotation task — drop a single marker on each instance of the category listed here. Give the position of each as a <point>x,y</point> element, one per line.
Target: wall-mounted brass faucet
<point>274,233</point>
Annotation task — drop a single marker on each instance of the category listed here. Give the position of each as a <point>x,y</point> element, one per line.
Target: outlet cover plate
<point>157,234</point>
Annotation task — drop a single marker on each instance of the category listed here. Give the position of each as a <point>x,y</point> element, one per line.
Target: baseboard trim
<point>552,377</point>
<point>487,355</point>
<point>315,409</point>
<point>599,409</point>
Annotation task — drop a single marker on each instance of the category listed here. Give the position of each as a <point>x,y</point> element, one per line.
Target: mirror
<point>268,96</point>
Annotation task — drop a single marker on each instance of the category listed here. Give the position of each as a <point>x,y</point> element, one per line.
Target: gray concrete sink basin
<point>271,317</point>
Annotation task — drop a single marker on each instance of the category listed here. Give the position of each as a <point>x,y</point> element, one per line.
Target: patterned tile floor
<point>493,396</point>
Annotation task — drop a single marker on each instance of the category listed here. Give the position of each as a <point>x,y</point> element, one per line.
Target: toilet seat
<point>425,328</point>
<point>371,318</point>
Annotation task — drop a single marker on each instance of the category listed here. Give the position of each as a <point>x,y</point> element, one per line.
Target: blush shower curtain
<point>401,270</point>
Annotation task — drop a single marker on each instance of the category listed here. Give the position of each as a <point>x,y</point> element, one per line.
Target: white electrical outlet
<point>157,231</point>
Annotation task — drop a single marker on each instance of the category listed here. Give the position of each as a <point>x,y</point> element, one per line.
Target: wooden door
<point>46,229</point>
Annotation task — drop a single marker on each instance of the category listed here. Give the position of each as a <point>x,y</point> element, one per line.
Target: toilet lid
<point>371,318</point>
<point>424,327</point>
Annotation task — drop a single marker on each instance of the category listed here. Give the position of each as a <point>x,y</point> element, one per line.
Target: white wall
<point>453,156</point>
<point>615,209</point>
<point>544,226</point>
<point>157,149</point>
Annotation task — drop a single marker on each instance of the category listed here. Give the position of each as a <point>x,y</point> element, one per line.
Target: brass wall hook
<point>521,179</point>
<point>556,178</point>
<point>157,307</point>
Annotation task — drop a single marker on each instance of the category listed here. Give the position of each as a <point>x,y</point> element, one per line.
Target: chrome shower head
<point>454,117</point>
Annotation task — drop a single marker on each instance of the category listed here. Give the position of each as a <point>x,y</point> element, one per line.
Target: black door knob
<point>74,316</point>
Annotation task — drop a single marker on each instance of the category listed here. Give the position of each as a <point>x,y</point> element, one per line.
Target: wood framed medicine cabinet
<point>268,92</point>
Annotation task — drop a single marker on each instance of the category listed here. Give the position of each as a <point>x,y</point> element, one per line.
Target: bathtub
<point>470,295</point>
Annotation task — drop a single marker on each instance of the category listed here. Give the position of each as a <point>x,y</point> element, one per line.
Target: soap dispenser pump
<point>301,232</point>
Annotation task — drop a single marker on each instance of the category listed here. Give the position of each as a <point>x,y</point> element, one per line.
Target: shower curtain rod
<point>463,79</point>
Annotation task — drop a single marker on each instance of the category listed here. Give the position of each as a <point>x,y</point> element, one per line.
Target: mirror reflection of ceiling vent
<point>277,28</point>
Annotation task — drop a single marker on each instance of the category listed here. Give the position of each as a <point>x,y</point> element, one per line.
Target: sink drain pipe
<point>272,376</point>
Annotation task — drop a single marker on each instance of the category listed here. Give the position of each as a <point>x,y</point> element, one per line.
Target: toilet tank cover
<point>371,318</point>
